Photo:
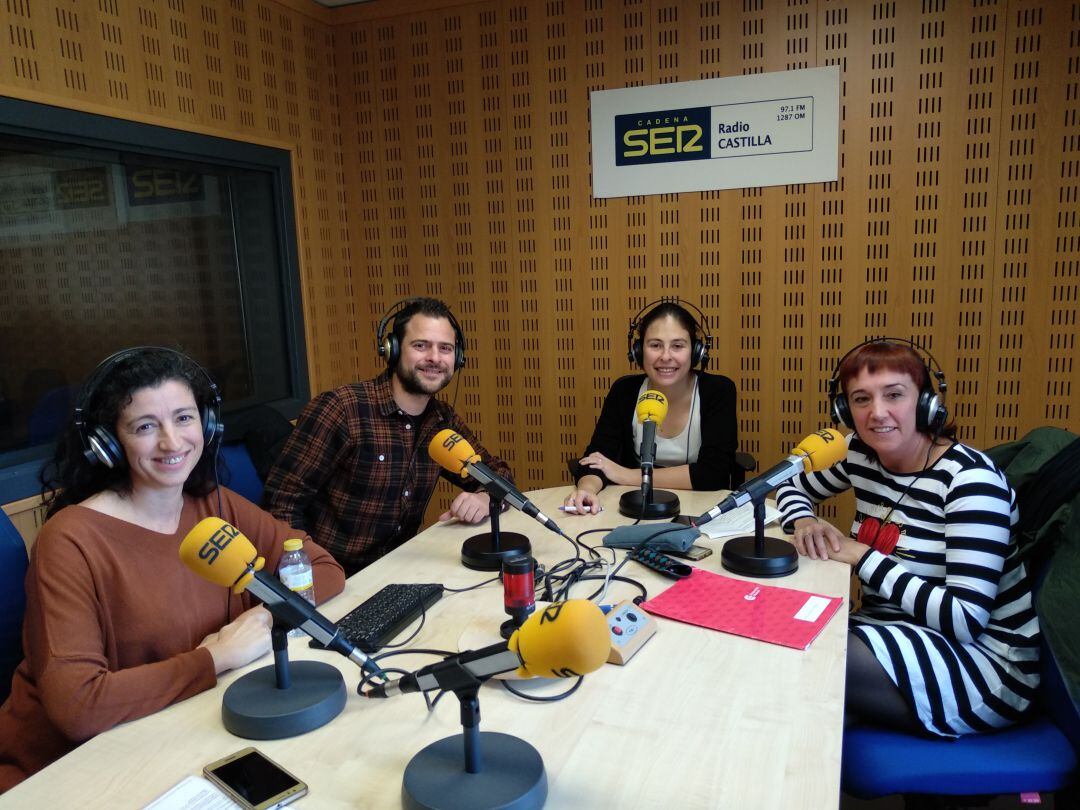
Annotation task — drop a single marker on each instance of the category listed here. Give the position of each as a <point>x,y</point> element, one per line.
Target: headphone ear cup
<point>213,428</point>
<point>105,447</point>
<point>699,354</point>
<point>459,347</point>
<point>930,413</point>
<point>392,351</point>
<point>840,412</point>
<point>636,352</point>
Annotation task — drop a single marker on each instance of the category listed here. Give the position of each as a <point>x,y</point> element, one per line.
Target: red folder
<point>777,615</point>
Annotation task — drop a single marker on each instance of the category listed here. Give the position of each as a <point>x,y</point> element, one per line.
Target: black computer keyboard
<point>372,624</point>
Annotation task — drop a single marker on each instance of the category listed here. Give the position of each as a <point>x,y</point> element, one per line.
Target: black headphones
<point>100,444</point>
<point>702,340</point>
<point>930,412</point>
<point>389,347</point>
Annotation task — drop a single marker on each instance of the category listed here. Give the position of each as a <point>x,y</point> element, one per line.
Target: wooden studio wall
<point>443,148</point>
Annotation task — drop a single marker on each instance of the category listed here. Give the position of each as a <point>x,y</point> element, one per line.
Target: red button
<point>617,631</point>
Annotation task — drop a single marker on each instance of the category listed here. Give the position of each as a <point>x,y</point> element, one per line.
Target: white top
<point>680,449</point>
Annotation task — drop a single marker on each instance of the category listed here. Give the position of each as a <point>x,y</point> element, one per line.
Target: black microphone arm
<point>465,670</point>
<point>648,455</point>
<point>501,489</point>
<point>296,611</point>
<point>757,488</point>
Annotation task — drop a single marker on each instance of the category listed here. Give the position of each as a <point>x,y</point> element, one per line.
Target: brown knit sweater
<point>113,619</point>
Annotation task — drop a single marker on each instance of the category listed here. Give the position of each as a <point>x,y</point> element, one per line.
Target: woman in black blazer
<point>695,444</point>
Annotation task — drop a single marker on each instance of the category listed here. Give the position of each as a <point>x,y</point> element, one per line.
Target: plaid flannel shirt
<point>355,474</point>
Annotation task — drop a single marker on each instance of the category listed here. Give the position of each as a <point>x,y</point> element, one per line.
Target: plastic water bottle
<point>295,571</point>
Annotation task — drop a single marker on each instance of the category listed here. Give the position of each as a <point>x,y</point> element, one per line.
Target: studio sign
<point>702,133</point>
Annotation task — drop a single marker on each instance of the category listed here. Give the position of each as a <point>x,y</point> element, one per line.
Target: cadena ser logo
<point>664,136</point>
<point>218,542</point>
<point>451,440</point>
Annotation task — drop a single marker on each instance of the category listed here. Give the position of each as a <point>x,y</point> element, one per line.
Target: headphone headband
<point>701,339</point>
<point>930,414</point>
<point>99,442</point>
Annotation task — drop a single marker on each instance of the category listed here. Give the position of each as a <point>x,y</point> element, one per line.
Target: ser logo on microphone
<point>827,435</point>
<point>551,612</point>
<point>451,440</point>
<point>217,542</point>
<point>652,396</point>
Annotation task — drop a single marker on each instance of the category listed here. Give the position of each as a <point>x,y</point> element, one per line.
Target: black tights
<point>871,696</point>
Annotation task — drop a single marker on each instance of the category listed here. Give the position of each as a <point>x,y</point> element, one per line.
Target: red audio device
<point>519,592</point>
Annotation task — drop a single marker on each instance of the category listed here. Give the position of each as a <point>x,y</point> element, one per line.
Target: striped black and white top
<point>949,613</point>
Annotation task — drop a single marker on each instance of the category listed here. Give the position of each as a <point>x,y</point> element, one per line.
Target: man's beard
<point>413,383</point>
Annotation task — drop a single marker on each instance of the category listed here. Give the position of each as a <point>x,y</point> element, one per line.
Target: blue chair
<point>241,475</point>
<point>13,562</point>
<point>1035,757</point>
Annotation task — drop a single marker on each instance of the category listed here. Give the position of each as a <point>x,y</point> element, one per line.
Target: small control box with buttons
<point>630,628</point>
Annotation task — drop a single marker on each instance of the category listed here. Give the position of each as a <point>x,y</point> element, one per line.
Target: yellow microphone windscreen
<point>451,452</point>
<point>652,407</point>
<point>563,640</point>
<point>822,449</point>
<point>220,553</point>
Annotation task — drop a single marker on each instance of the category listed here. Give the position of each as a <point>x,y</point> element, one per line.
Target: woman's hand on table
<point>241,641</point>
<point>816,539</point>
<point>581,502</point>
<point>615,473</point>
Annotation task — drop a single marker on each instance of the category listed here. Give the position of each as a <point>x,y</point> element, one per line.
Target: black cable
<point>366,677</point>
<point>416,632</point>
<point>472,587</point>
<point>564,575</point>
<point>542,698</point>
<point>591,549</point>
<point>614,578</point>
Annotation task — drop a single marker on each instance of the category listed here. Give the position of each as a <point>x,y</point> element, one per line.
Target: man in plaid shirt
<point>355,474</point>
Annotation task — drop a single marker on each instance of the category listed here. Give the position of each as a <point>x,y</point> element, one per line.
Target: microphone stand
<point>284,699</point>
<point>647,504</point>
<point>487,550</point>
<point>514,776</point>
<point>758,555</point>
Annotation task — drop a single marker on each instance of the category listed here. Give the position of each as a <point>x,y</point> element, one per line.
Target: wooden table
<point>697,719</point>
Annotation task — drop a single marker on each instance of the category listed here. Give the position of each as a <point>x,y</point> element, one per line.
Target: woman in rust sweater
<point>116,627</point>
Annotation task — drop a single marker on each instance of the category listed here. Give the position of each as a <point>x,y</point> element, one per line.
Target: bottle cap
<point>294,545</point>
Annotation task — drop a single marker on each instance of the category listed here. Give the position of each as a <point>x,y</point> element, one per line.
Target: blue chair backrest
<point>13,562</point>
<point>50,414</point>
<point>241,477</point>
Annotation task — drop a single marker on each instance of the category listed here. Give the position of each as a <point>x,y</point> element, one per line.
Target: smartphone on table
<point>255,781</point>
<point>693,553</point>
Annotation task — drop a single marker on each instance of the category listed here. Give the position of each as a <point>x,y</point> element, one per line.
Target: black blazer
<point>614,435</point>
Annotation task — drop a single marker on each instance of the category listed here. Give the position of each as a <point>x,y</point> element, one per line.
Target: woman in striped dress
<point>946,640</point>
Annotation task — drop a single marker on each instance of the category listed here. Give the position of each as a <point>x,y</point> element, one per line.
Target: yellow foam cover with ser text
<point>451,452</point>
<point>652,407</point>
<point>220,553</point>
<point>822,449</point>
<point>562,640</point>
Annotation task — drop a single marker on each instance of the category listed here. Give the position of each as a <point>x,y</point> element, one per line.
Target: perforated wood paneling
<point>443,147</point>
<point>953,221</point>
